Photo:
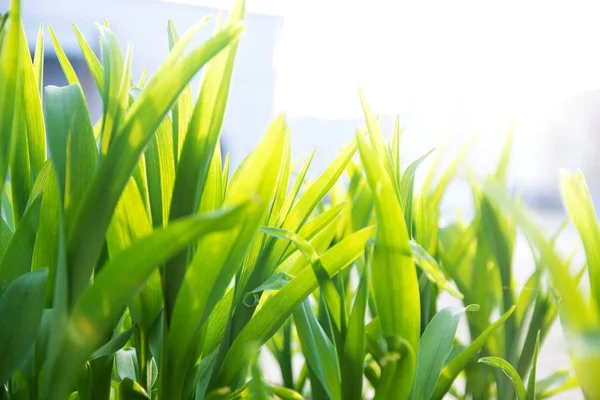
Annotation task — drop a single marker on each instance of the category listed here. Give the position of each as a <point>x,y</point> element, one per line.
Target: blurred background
<point>451,70</point>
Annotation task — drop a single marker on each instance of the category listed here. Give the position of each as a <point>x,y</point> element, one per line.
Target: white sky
<point>492,60</point>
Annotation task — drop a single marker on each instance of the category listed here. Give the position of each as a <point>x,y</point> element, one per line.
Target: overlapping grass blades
<point>149,273</point>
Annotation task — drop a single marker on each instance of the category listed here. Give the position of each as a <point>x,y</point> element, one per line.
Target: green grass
<point>134,265</point>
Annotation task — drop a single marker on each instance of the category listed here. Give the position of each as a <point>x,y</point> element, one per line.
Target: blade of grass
<point>458,363</point>
<point>269,318</point>
<point>354,346</point>
<point>87,236</point>
<point>318,350</point>
<point>72,146</point>
<point>63,60</point>
<point>32,102</point>
<point>198,148</point>
<point>96,68</point>
<point>394,277</point>
<point>435,347</point>
<point>9,85</point>
<point>38,61</point>
<point>219,257</point>
<point>17,258</point>
<point>531,392</point>
<point>18,336</point>
<point>508,369</point>
<point>115,286</point>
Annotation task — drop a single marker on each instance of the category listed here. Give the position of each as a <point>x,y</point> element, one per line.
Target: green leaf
<point>131,222</point>
<point>9,85</point>
<point>6,235</point>
<point>407,184</point>
<point>580,207</point>
<point>219,257</point>
<point>318,350</point>
<point>435,347</point>
<point>509,371</point>
<point>269,318</point>
<point>116,87</point>
<point>198,147</point>
<point>45,250</point>
<point>458,363</point>
<point>570,383</point>
<point>395,148</point>
<point>20,172</point>
<point>160,172</point>
<point>577,314</point>
<point>38,60</point>
<point>130,390</point>
<point>182,110</point>
<point>85,242</point>
<point>63,60</point>
<point>431,269</point>
<point>126,364</point>
<point>32,103</point>
<point>394,277</point>
<point>72,147</point>
<point>332,297</point>
<point>448,175</point>
<point>503,162</point>
<point>295,189</point>
<point>254,273</point>
<point>20,324</point>
<point>17,258</point>
<point>91,59</point>
<point>258,390</point>
<point>115,286</point>
<point>555,379</point>
<point>113,345</point>
<point>531,391</point>
<point>376,140</point>
<point>501,246</point>
<point>275,282</point>
<point>354,346</point>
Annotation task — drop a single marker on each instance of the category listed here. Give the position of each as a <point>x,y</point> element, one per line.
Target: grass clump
<point>133,265</point>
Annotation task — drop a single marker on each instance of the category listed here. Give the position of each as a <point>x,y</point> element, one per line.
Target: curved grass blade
<point>354,346</point>
<point>32,103</point>
<point>115,286</point>
<point>65,64</point>
<point>432,269</point>
<point>580,207</point>
<point>531,384</point>
<point>116,81</point>
<point>96,68</point>
<point>219,257</point>
<point>318,350</point>
<point>84,243</point>
<point>198,148</point>
<point>510,372</point>
<point>72,146</point>
<point>458,363</point>
<point>394,277</point>
<point>269,318</point>
<point>435,347</point>
<point>407,184</point>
